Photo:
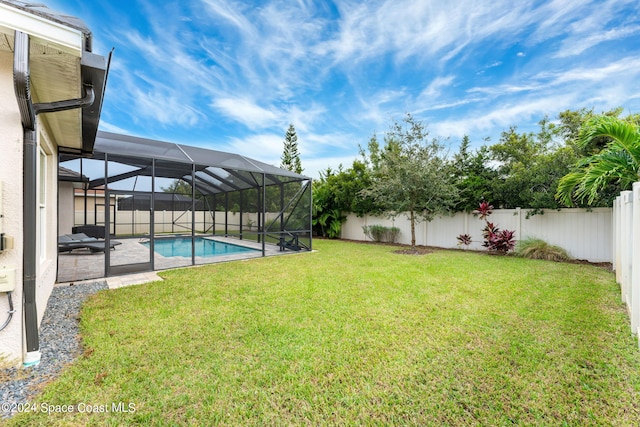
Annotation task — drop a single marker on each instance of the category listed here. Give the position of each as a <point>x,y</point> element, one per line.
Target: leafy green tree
<point>571,121</point>
<point>472,176</point>
<point>178,186</point>
<point>515,148</point>
<point>290,159</point>
<point>337,193</point>
<point>411,175</point>
<point>327,213</point>
<point>568,129</point>
<point>529,167</point>
<point>524,169</point>
<point>346,187</point>
<point>512,156</point>
<point>618,162</point>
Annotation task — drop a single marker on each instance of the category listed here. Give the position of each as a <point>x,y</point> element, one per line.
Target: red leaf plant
<point>484,210</point>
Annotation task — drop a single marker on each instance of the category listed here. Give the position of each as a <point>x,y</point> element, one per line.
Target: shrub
<point>539,249</point>
<point>380,233</point>
<point>484,210</point>
<point>494,239</point>
<point>329,222</point>
<point>488,232</point>
<point>501,241</point>
<point>464,239</point>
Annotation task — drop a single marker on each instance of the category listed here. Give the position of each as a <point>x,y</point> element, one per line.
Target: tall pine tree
<point>290,156</point>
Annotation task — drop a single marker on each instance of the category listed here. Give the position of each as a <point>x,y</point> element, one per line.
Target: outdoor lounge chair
<point>293,244</point>
<point>69,242</point>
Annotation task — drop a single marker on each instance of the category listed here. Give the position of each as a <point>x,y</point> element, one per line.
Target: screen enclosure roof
<point>214,171</point>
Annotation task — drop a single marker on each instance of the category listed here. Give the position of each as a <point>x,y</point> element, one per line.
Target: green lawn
<point>354,334</point>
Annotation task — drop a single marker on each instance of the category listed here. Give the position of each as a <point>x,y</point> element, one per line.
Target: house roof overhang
<point>61,66</point>
<point>65,174</point>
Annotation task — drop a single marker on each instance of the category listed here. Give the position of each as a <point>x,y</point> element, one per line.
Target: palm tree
<point>618,162</point>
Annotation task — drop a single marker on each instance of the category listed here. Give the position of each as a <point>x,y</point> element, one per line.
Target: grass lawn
<point>354,334</point>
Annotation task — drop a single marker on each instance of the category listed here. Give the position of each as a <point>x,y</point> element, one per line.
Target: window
<point>42,205</point>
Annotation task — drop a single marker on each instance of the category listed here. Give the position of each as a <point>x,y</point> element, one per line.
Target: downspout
<point>28,113</point>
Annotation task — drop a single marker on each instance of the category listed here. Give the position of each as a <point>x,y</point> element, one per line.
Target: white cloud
<point>576,45</point>
<point>166,109</point>
<point>379,106</point>
<point>108,127</point>
<point>435,87</point>
<point>432,33</point>
<point>444,106</point>
<point>313,148</point>
<point>246,112</point>
<point>504,89</point>
<point>253,116</point>
<point>315,144</point>
<point>303,119</point>
<point>264,147</point>
<point>229,12</point>
<point>484,122</point>
<point>629,66</point>
<point>314,165</point>
<point>601,88</point>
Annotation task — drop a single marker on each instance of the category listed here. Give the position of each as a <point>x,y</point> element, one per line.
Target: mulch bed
<point>418,250</point>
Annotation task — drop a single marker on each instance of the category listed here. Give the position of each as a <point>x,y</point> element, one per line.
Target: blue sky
<point>232,75</point>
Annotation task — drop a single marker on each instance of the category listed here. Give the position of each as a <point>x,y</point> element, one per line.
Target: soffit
<point>55,72</point>
<point>55,76</point>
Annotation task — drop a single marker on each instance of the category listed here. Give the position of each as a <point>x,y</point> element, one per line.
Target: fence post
<point>519,226</point>
<point>626,241</point>
<point>634,289</point>
<point>617,249</point>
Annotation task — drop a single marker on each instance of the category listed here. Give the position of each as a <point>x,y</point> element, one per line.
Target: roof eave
<point>94,73</point>
<point>68,35</point>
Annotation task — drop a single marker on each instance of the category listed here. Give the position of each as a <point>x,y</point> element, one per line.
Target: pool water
<point>203,247</point>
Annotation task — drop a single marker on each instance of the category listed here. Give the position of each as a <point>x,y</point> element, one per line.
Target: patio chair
<point>69,242</point>
<point>293,244</point>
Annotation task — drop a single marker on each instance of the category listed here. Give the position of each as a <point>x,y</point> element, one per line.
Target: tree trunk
<point>413,230</point>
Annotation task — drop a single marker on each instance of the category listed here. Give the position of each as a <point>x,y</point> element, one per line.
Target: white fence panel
<point>626,247</point>
<point>443,231</point>
<point>617,231</point>
<point>585,234</point>
<point>626,244</point>
<point>129,222</point>
<point>634,285</point>
<point>354,230</point>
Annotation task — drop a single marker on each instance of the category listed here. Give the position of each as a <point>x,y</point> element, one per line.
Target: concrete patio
<point>81,264</point>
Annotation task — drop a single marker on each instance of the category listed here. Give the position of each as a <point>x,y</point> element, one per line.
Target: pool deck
<point>81,265</point>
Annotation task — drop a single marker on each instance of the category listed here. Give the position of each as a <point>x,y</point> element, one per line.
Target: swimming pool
<point>181,247</point>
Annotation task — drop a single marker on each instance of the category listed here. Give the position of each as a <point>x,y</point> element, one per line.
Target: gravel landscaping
<point>59,344</point>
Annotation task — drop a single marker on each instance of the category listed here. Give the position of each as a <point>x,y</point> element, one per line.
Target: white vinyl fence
<point>138,222</point>
<point>585,234</point>
<point>626,250</point>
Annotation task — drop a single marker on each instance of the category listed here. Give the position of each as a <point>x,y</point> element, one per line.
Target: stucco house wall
<point>11,221</point>
<point>55,74</point>
<point>11,345</point>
